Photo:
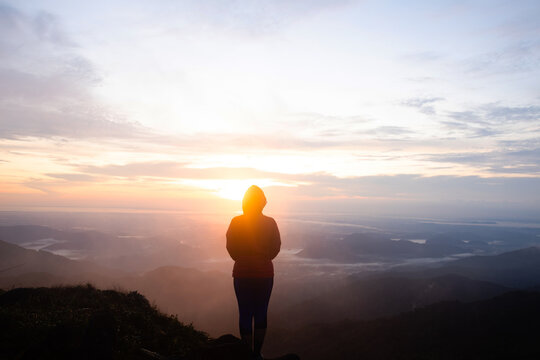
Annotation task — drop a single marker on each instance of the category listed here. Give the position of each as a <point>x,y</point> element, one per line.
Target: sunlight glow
<point>234,189</point>
<point>177,105</point>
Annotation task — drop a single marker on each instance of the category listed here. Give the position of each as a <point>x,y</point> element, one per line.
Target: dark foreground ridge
<point>504,327</point>
<point>82,322</point>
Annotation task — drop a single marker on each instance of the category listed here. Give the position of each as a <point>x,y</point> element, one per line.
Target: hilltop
<point>82,322</point>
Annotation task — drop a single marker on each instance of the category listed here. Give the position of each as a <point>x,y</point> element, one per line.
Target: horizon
<point>361,107</point>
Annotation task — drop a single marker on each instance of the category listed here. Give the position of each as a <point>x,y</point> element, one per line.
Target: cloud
<point>521,57</point>
<point>178,170</point>
<point>389,130</point>
<point>466,116</point>
<point>83,121</point>
<point>314,130</point>
<point>43,26</point>
<point>412,187</point>
<point>424,105</point>
<point>253,17</point>
<point>38,45</point>
<point>491,119</point>
<point>73,177</point>
<point>415,195</point>
<point>322,126</point>
<point>45,85</point>
<point>470,131</point>
<point>524,144</point>
<point>508,114</point>
<point>526,161</point>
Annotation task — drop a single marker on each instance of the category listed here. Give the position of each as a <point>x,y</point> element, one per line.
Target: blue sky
<point>326,104</point>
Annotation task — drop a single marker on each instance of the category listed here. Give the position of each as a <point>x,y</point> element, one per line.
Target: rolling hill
<point>505,327</point>
<point>81,322</point>
<point>376,296</point>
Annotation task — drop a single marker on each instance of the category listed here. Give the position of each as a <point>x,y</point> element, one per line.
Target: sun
<point>233,189</point>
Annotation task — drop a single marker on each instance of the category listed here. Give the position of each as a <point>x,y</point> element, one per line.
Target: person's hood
<point>254,200</point>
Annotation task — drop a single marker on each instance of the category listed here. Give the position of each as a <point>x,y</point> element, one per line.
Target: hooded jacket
<point>253,239</point>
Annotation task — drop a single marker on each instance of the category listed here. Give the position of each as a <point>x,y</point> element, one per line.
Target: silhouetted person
<point>253,241</point>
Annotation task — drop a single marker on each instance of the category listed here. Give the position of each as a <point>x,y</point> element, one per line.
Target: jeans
<point>253,295</point>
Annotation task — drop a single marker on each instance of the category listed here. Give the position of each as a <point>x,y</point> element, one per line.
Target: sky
<point>420,108</point>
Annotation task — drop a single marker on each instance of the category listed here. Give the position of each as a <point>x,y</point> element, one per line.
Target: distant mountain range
<point>407,288</point>
<point>206,298</point>
<point>505,327</point>
<point>383,295</point>
<point>126,253</point>
<point>374,246</point>
<point>518,269</point>
<point>371,246</point>
<point>15,260</point>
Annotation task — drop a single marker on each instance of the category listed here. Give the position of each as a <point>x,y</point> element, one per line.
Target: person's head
<point>254,200</point>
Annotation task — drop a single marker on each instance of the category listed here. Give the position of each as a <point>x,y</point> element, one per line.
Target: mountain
<point>419,240</point>
<point>15,260</point>
<point>371,246</point>
<point>170,253</point>
<point>20,234</point>
<point>518,269</point>
<point>505,327</point>
<point>82,322</point>
<point>123,252</point>
<point>382,295</point>
<point>77,243</point>
<point>205,298</point>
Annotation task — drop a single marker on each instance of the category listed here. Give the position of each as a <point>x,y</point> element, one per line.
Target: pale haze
<point>375,107</point>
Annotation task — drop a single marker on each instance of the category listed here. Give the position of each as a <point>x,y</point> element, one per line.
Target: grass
<point>86,323</point>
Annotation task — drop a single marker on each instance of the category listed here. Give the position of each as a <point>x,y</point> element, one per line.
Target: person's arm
<point>275,241</point>
<point>232,240</point>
